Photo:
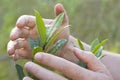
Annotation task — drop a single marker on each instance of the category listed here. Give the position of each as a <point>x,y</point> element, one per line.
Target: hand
<point>96,70</point>
<point>18,46</point>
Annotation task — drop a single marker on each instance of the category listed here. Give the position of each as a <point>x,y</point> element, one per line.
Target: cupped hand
<point>96,70</point>
<point>18,46</point>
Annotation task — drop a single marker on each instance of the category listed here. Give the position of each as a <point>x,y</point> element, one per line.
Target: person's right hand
<point>18,46</point>
<point>96,70</point>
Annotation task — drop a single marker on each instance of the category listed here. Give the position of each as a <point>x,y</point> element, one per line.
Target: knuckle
<point>63,69</point>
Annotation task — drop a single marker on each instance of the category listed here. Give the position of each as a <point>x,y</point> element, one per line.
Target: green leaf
<point>34,43</point>
<point>98,46</point>
<point>53,38</point>
<point>40,28</point>
<point>57,24</point>
<point>37,49</point>
<point>99,53</point>
<point>80,44</point>
<point>58,45</point>
<point>82,64</point>
<point>94,44</point>
<point>48,28</point>
<point>20,72</point>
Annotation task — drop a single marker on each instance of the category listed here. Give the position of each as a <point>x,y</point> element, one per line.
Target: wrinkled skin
<point>18,47</point>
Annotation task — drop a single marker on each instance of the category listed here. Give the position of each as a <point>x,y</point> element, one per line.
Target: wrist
<point>73,43</point>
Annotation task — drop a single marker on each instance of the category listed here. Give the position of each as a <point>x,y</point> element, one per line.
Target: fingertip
<point>21,21</point>
<point>25,20</point>
<point>27,78</point>
<point>58,9</point>
<point>18,23</point>
<point>13,37</point>
<point>10,51</point>
<point>78,53</point>
<point>77,50</point>
<point>28,65</point>
<point>14,33</point>
<point>38,56</point>
<point>10,48</point>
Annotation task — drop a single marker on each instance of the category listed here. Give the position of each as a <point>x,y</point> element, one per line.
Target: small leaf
<point>48,28</point>
<point>54,37</point>
<point>94,44</point>
<point>99,53</point>
<point>80,44</point>
<point>34,43</point>
<point>99,45</point>
<point>20,72</point>
<point>40,28</point>
<point>57,24</point>
<point>37,49</point>
<point>51,41</point>
<point>58,45</point>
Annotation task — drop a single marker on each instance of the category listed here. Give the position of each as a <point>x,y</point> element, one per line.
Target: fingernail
<point>77,50</point>
<point>27,78</point>
<point>28,66</point>
<point>38,56</point>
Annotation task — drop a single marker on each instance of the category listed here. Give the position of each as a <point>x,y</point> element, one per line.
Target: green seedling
<point>96,49</point>
<point>46,41</point>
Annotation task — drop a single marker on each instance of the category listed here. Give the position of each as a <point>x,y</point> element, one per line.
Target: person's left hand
<point>96,70</point>
<point>19,47</point>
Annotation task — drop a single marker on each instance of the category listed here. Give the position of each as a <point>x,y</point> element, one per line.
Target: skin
<point>18,47</point>
<point>71,70</point>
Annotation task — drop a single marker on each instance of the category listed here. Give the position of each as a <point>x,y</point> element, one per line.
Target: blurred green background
<point>89,19</point>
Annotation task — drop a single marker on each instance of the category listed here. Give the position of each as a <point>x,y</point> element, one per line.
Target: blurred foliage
<point>91,19</point>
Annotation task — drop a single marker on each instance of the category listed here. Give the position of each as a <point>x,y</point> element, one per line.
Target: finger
<point>10,47</point>
<point>27,78</point>
<point>15,57</point>
<point>23,33</point>
<point>22,43</point>
<point>41,72</point>
<point>48,21</point>
<point>57,10</point>
<point>29,21</point>
<point>92,62</point>
<point>60,9</point>
<point>22,54</point>
<point>26,20</point>
<point>70,69</point>
<point>19,33</point>
<point>17,44</point>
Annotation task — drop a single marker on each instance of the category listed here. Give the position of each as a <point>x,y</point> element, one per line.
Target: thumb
<point>60,9</point>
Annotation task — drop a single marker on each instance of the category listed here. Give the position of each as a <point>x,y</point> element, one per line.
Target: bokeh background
<point>89,19</point>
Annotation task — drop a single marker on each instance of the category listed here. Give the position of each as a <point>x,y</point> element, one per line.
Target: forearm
<point>112,62</point>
